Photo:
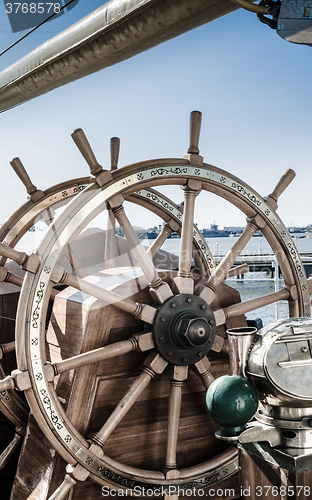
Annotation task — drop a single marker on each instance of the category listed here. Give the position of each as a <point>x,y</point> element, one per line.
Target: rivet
<point>184,360</point>
<point>210,321</point>
<point>304,349</point>
<point>169,353</point>
<point>162,320</point>
<point>188,300</point>
<point>203,306</point>
<point>200,354</point>
<point>173,304</point>
<point>161,338</point>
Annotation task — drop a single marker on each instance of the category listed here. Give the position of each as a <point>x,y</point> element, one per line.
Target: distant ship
<point>297,229</point>
<point>214,232</point>
<point>151,235</point>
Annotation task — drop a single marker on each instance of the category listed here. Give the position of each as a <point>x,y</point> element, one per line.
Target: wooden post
<point>260,478</point>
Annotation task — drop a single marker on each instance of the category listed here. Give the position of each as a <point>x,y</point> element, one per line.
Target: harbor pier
<point>266,263</point>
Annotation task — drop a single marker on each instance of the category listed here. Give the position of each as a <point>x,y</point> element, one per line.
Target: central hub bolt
<point>184,329</point>
<point>194,331</point>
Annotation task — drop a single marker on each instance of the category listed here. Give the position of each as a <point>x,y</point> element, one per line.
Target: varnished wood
<point>222,270</point>
<point>268,478</point>
<point>147,419</point>
<point>237,270</point>
<point>175,398</point>
<point>136,246</point>
<point>105,295</point>
<point>184,282</point>
<point>32,190</point>
<point>250,305</point>
<point>154,364</point>
<point>159,241</point>
<point>7,383</point>
<point>114,152</point>
<point>75,263</point>
<point>6,348</point>
<point>63,489</point>
<point>35,467</point>
<point>6,455</point>
<point>159,290</point>
<point>10,253</point>
<point>195,124</point>
<point>104,384</point>
<point>8,277</point>
<point>103,353</point>
<point>203,368</point>
<point>82,143</point>
<point>110,241</point>
<point>280,187</point>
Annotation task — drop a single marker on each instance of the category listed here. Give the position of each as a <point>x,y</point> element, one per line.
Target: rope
<point>35,28</point>
<point>245,4</point>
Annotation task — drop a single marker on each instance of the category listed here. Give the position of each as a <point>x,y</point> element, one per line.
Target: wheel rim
<point>11,233</point>
<point>36,290</point>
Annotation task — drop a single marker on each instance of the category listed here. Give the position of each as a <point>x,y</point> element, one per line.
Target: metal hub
<point>184,329</point>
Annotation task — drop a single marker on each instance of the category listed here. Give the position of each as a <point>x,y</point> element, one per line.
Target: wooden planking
<point>143,446</point>
<point>109,390</point>
<point>266,475</point>
<point>80,323</point>
<point>8,307</point>
<point>7,474</point>
<point>35,467</point>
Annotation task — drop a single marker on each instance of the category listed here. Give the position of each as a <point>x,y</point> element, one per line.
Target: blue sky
<point>251,86</point>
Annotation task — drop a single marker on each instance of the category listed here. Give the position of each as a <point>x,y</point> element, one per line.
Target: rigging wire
<point>36,27</point>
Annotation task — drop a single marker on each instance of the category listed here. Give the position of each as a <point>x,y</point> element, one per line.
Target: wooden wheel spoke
<point>221,315</point>
<point>207,292</point>
<point>159,290</point>
<point>159,241</point>
<point>143,342</point>
<point>220,345</point>
<point>203,369</point>
<point>5,348</point>
<point>110,240</point>
<point>175,398</point>
<point>64,488</point>
<point>10,449</point>
<point>75,263</point>
<point>34,193</point>
<point>183,281</point>
<point>283,183</point>
<point>143,312</point>
<point>7,383</point>
<point>8,277</point>
<point>153,364</point>
<point>237,270</point>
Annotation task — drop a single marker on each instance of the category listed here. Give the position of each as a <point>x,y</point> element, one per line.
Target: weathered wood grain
<point>90,393</point>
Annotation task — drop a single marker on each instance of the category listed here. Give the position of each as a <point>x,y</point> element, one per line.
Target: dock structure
<point>267,263</point>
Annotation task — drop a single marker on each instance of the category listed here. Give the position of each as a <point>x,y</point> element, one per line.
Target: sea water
<point>254,284</point>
